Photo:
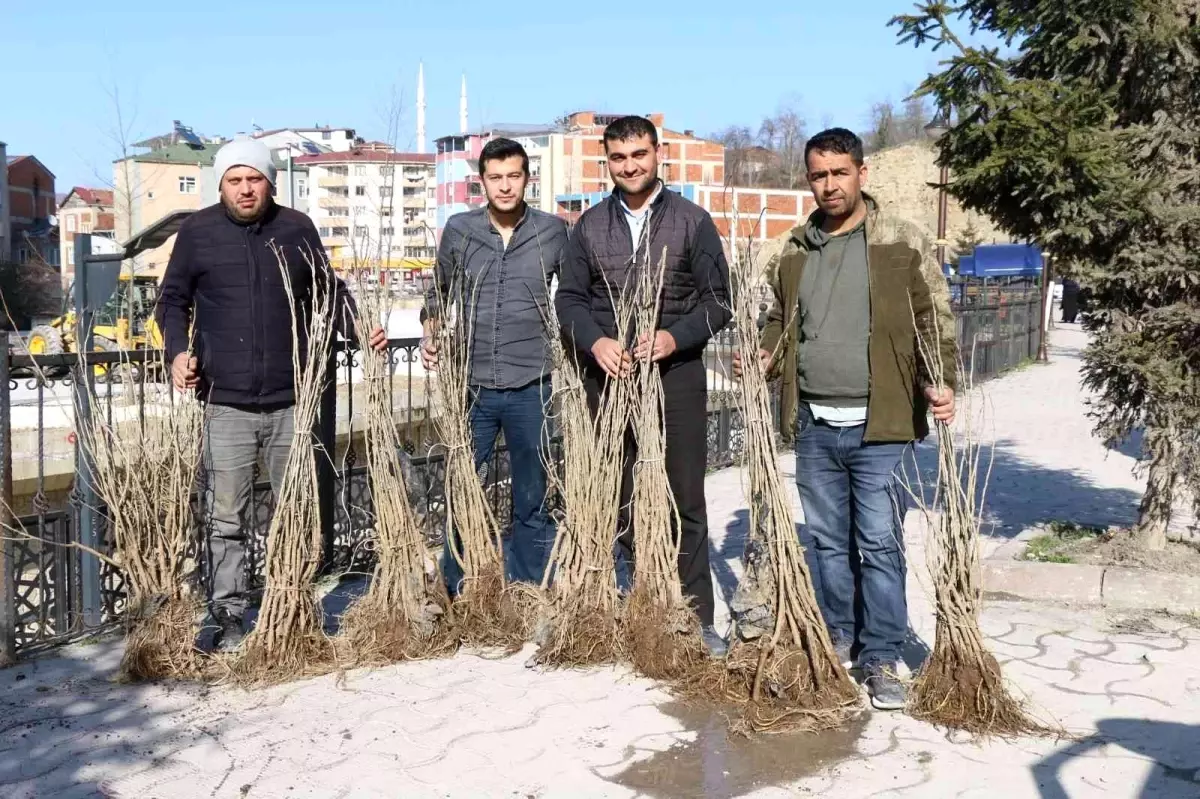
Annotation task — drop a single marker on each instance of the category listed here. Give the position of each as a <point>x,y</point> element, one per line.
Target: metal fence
<point>999,335</point>
<point>51,591</point>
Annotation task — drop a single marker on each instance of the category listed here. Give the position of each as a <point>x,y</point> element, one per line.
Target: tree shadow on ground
<point>913,652</point>
<point>66,727</point>
<point>1174,748</point>
<point>1021,494</point>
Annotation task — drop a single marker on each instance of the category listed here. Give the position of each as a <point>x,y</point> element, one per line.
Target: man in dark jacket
<point>227,329</point>
<point>611,243</point>
<point>501,259</point>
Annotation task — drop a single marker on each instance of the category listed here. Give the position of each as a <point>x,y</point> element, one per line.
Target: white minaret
<point>462,107</point>
<point>421,108</point>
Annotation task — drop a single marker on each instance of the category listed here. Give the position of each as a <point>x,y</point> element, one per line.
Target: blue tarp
<point>1003,260</point>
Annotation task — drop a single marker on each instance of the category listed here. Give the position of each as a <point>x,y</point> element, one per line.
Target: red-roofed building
<point>84,210</point>
<point>372,205</point>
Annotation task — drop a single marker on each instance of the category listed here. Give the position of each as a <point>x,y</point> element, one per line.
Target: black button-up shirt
<point>505,290</point>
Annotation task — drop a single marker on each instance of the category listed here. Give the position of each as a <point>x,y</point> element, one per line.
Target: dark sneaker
<point>841,648</point>
<point>716,645</point>
<point>884,686</point>
<point>221,631</point>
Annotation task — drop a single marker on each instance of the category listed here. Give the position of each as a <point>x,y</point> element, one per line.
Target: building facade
<point>84,210</point>
<point>372,206</point>
<point>5,222</point>
<point>30,206</point>
<point>149,186</point>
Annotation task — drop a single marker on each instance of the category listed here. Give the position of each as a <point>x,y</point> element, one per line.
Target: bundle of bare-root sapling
<point>783,667</point>
<point>288,641</point>
<point>582,604</point>
<point>403,615</point>
<point>144,470</point>
<point>660,628</point>
<point>487,611</point>
<point>960,685</point>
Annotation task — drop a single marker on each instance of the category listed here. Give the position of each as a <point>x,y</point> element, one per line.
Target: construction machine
<point>121,303</point>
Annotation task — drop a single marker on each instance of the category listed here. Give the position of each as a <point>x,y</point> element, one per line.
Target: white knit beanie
<point>244,152</point>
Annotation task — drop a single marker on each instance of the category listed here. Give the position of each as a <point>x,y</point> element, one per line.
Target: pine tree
<point>1087,140</point>
<point>968,239</point>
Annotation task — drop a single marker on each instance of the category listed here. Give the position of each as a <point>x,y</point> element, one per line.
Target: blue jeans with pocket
<point>853,534</point>
<point>520,413</point>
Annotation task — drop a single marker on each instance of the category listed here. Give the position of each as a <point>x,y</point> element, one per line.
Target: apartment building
<point>83,210</point>
<point>370,204</point>
<point>289,144</point>
<point>5,223</point>
<point>565,158</point>
<point>760,214</point>
<point>29,205</point>
<point>148,186</point>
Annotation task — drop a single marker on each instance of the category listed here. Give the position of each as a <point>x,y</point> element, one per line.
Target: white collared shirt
<point>637,221</point>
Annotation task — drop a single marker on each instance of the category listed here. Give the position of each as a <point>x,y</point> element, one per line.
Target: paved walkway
<point>1128,689</point>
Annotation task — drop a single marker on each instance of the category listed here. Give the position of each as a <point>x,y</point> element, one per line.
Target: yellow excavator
<point>124,322</point>
<point>121,303</point>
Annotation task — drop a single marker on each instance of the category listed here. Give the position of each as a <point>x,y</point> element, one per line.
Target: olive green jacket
<point>908,296</point>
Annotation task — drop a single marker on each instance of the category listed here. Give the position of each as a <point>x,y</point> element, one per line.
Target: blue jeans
<point>853,535</point>
<point>521,414</point>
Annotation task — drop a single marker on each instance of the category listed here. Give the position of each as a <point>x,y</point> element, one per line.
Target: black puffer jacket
<point>226,278</point>
<point>600,255</point>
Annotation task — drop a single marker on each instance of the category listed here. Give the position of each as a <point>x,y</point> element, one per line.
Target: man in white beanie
<point>228,332</point>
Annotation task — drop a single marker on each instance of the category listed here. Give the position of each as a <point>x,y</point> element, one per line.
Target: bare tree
<point>785,135</point>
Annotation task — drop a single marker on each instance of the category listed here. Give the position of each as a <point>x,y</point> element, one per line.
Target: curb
<point>1104,586</point>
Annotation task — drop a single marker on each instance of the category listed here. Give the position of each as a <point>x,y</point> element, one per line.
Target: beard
<point>636,185</point>
<point>245,214</point>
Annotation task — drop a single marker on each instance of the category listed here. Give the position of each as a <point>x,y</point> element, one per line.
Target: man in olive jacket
<point>863,339</point>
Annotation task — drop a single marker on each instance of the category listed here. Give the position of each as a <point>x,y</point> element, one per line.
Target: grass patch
<point>1056,545</point>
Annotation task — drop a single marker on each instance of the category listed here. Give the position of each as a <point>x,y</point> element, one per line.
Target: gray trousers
<point>233,440</point>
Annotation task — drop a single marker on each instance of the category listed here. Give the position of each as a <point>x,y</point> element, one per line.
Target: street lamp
<point>935,130</point>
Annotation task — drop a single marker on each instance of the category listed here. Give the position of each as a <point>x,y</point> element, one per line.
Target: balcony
<point>417,201</point>
<point>336,221</point>
<point>333,181</point>
<point>336,201</point>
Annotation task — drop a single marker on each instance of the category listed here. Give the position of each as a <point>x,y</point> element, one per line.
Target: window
<point>360,231</point>
<point>339,171</point>
<point>360,171</point>
<point>326,135</point>
<point>535,167</point>
<point>323,232</point>
<point>533,191</point>
<point>432,193</point>
<point>409,232</point>
<point>418,252</point>
<point>340,232</point>
<point>302,188</point>
<point>385,211</point>
<point>385,191</point>
<point>149,195</point>
<point>386,171</point>
<point>387,231</point>
<point>360,191</point>
<point>412,191</point>
<point>360,210</point>
<point>338,212</point>
<point>187,185</point>
<point>71,256</point>
<point>71,224</point>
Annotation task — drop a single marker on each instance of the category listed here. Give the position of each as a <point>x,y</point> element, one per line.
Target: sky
<point>223,65</point>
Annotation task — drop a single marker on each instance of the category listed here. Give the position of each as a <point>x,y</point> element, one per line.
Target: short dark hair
<point>627,128</point>
<point>835,140</point>
<point>498,149</point>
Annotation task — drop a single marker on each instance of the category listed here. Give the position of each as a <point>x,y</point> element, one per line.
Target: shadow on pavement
<point>1021,494</point>
<point>63,722</point>
<point>1174,748</point>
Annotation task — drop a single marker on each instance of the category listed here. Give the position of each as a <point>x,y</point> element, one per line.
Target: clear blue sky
<point>218,65</point>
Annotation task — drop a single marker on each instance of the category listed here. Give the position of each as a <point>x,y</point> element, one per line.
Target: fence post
<point>326,451</point>
<point>8,588</point>
<point>87,534</point>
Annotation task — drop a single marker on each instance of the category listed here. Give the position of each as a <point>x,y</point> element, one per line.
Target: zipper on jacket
<point>257,358</point>
<point>870,324</point>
